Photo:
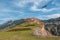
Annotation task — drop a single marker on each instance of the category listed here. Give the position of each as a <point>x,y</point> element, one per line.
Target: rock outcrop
<point>41,31</point>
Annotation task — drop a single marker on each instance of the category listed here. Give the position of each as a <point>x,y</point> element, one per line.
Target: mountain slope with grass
<point>29,24</point>
<point>39,27</point>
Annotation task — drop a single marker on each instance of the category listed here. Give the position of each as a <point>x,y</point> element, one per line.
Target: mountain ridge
<point>51,25</point>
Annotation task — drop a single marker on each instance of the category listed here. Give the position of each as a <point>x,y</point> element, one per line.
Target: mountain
<point>33,24</point>
<point>26,23</point>
<point>11,23</point>
<point>7,24</point>
<point>52,21</point>
<point>39,27</point>
<point>53,26</point>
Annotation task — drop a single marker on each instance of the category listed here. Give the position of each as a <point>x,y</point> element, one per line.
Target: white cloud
<point>5,11</point>
<point>36,4</point>
<point>54,15</point>
<point>44,9</point>
<point>22,3</point>
<point>46,17</point>
<point>49,10</point>
<point>41,3</point>
<point>5,14</point>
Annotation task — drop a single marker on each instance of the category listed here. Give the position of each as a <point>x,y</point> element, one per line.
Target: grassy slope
<point>23,35</point>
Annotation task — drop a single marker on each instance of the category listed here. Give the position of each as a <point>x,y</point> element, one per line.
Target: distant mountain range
<point>51,25</point>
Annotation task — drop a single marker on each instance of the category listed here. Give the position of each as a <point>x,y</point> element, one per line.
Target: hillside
<point>39,27</point>
<point>28,23</point>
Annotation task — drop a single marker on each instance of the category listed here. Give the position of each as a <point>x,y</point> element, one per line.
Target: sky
<point>18,9</point>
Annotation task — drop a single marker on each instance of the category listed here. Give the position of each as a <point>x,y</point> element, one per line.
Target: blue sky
<point>17,9</point>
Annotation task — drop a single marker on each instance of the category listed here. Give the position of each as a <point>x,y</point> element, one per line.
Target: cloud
<point>54,15</point>
<point>9,14</point>
<point>44,9</point>
<point>46,17</point>
<point>6,11</point>
<point>23,3</point>
<point>16,9</point>
<point>35,6</point>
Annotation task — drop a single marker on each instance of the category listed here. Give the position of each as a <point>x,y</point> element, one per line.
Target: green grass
<point>28,26</point>
<point>23,35</point>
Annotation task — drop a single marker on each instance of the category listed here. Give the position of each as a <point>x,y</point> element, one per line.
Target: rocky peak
<point>32,20</point>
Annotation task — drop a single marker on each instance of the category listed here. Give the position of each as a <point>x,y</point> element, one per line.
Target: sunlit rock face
<point>32,20</point>
<point>41,31</point>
